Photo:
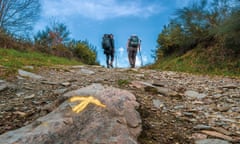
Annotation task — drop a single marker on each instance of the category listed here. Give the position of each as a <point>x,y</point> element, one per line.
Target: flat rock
<point>28,74</point>
<point>3,85</point>
<point>194,94</point>
<point>212,141</point>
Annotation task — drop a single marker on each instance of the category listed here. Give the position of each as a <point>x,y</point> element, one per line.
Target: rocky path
<point>175,107</point>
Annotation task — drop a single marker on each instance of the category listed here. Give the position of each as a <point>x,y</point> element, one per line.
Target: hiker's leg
<point>134,53</point>
<point>107,60</point>
<point>130,56</point>
<point>112,58</point>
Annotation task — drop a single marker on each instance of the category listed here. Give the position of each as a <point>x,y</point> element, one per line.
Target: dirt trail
<point>174,107</point>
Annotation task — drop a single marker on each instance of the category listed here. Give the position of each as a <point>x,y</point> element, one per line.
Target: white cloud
<point>121,51</point>
<point>99,10</point>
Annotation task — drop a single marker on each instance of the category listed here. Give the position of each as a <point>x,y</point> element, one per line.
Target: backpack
<point>106,42</point>
<point>134,41</point>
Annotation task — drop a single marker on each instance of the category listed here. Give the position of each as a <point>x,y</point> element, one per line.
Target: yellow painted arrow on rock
<point>85,101</point>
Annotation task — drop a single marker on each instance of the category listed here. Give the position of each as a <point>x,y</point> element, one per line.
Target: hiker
<point>108,46</point>
<point>133,45</point>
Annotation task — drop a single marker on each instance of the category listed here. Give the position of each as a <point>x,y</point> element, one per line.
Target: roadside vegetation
<point>50,46</point>
<point>11,60</point>
<point>202,38</point>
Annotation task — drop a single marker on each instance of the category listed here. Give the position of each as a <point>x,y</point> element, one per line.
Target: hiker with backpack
<point>133,45</point>
<point>108,46</point>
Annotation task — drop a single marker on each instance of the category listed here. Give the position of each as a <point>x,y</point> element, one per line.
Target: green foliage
<point>210,28</point>
<point>55,40</point>
<point>229,30</point>
<point>84,51</point>
<point>53,36</point>
<point>8,40</point>
<point>122,82</point>
<point>194,25</point>
<point>11,60</point>
<point>198,62</point>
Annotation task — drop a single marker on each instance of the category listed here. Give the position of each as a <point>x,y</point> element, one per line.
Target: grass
<point>11,60</point>
<point>198,62</point>
<point>122,82</point>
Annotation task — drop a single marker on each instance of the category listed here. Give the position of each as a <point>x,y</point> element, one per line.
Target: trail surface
<point>174,107</point>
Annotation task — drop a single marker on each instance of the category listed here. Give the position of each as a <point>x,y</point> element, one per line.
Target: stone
<point>230,86</point>
<point>60,91</point>
<point>217,135</point>
<point>160,83</point>
<point>86,71</point>
<point>211,141</point>
<point>29,74</point>
<point>202,127</point>
<point>3,85</point>
<point>118,122</point>
<point>30,96</point>
<point>157,103</point>
<point>66,84</point>
<point>194,94</point>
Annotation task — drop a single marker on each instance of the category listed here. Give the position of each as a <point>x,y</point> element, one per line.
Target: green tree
<point>53,35</point>
<point>196,24</point>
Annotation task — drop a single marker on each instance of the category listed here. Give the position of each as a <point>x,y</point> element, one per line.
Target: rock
<point>230,86</point>
<point>60,91</point>
<point>118,122</point>
<point>160,83</point>
<point>217,135</point>
<point>50,83</point>
<point>3,85</point>
<point>28,74</point>
<point>157,103</point>
<point>194,94</point>
<point>29,97</point>
<point>87,72</point>
<point>166,91</point>
<point>211,141</point>
<point>202,127</point>
<point>198,136</point>
<point>66,84</point>
<point>221,130</point>
<point>22,114</point>
<point>78,67</point>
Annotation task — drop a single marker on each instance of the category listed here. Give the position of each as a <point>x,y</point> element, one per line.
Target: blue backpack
<point>106,41</point>
<point>134,41</point>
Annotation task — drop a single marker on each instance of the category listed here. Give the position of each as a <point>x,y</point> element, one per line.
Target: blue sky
<point>90,19</point>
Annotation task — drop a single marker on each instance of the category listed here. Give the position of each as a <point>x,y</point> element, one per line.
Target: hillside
<point>201,61</point>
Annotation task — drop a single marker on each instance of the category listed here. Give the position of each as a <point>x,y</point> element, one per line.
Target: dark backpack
<point>134,41</point>
<point>106,41</point>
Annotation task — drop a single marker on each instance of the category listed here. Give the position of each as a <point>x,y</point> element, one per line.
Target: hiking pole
<point>116,60</point>
<point>140,54</point>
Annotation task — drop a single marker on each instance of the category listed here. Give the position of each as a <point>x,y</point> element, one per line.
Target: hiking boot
<point>132,65</point>
<point>111,65</point>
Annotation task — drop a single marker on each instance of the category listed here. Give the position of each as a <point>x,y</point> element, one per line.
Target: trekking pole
<point>116,60</point>
<point>140,54</point>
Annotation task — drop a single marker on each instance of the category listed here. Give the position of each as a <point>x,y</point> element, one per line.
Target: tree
<point>54,35</point>
<point>18,16</point>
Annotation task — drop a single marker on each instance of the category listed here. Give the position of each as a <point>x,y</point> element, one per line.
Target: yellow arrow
<point>85,101</point>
